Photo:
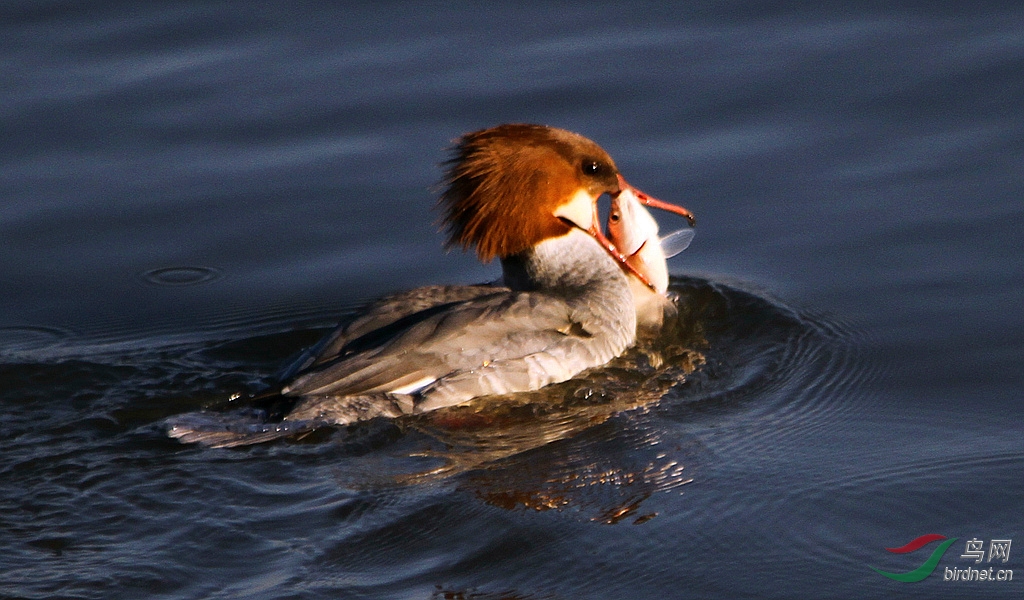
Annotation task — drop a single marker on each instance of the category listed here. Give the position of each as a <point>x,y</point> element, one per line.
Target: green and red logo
<point>998,551</point>
<point>929,565</point>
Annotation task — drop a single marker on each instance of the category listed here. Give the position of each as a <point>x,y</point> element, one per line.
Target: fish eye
<point>591,167</point>
<point>614,217</point>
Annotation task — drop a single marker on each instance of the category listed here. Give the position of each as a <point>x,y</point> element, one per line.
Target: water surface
<point>189,196</point>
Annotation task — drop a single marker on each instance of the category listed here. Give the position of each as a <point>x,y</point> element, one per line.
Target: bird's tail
<point>282,417</point>
<point>228,430</point>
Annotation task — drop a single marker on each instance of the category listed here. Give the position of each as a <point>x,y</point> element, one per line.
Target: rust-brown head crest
<point>504,186</point>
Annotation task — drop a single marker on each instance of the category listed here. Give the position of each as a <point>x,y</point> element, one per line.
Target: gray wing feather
<point>381,314</point>
<point>466,335</point>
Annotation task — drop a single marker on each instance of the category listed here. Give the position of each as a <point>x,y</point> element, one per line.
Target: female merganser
<point>526,194</point>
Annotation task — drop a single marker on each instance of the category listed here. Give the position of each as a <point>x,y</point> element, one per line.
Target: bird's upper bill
<point>511,187</point>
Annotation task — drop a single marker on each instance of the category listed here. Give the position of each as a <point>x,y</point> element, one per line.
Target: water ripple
<point>181,276</point>
<point>17,338</point>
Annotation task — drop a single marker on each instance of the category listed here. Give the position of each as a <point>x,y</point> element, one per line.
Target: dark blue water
<point>191,194</point>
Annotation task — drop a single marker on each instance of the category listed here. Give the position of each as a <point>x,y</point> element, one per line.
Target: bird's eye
<point>591,167</point>
<point>614,217</point>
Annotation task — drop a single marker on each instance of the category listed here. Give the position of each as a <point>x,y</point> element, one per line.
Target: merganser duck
<point>527,195</point>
